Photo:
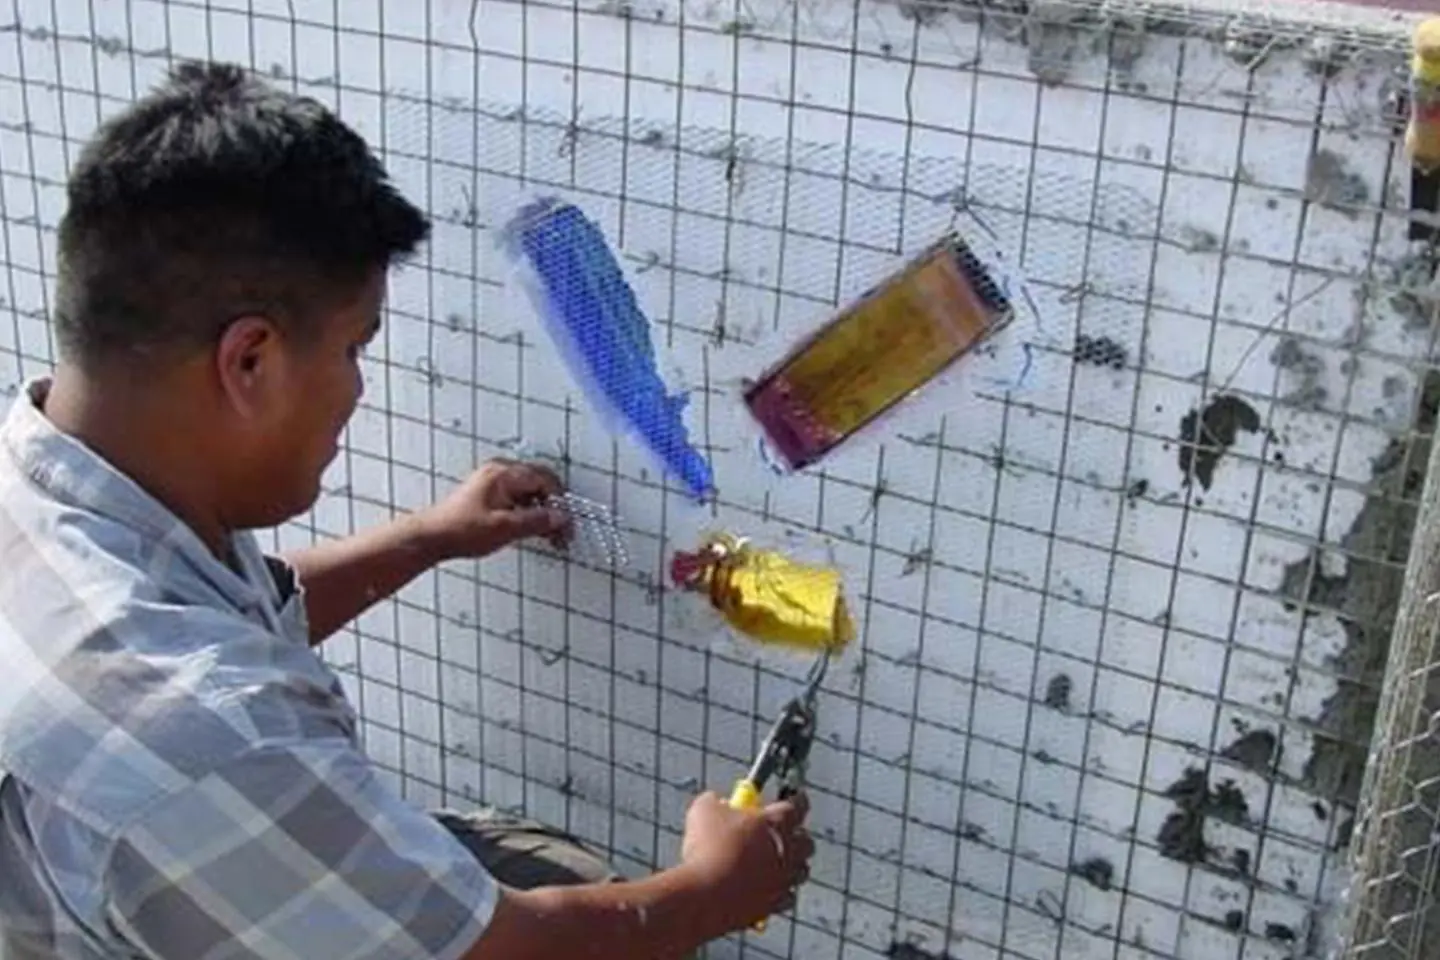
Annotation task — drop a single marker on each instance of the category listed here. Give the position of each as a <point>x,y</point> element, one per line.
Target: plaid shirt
<point>179,773</point>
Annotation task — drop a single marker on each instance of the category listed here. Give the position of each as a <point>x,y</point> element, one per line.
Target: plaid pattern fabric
<point>179,773</point>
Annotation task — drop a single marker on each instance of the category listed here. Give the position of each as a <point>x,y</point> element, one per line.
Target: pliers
<point>785,750</point>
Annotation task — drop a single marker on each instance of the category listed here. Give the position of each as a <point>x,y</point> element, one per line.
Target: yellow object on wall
<point>1422,135</point>
<point>767,596</point>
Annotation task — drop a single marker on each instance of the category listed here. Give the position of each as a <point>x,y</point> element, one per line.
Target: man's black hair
<point>215,196</point>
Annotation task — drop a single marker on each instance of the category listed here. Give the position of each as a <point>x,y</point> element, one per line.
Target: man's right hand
<point>753,861</point>
<point>738,867</point>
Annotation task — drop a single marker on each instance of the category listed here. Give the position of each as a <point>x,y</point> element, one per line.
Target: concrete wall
<point>1097,708</point>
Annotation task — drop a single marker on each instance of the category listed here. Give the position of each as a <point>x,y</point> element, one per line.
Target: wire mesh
<point>1398,829</point>
<point>1392,900</point>
<point>1123,629</point>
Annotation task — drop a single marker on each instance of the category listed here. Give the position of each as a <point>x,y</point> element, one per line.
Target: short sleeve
<point>295,853</point>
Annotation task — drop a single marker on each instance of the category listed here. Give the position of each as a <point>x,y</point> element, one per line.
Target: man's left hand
<point>497,505</point>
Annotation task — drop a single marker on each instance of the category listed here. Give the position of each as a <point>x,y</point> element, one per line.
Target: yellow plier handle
<point>783,755</point>
<point>747,796</point>
<point>785,751</point>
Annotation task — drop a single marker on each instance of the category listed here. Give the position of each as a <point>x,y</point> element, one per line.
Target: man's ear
<point>247,363</point>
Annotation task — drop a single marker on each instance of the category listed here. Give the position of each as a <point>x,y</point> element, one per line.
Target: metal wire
<point>1397,833</point>
<point>1393,902</point>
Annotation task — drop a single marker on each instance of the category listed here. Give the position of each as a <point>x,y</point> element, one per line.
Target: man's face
<point>312,389</point>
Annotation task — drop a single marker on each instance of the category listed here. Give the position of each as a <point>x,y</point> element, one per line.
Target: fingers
<point>781,842</point>
<point>520,491</point>
<point>802,848</point>
<point>791,812</point>
<point>526,482</point>
<point>764,855</point>
<point>795,846</point>
<point>520,523</point>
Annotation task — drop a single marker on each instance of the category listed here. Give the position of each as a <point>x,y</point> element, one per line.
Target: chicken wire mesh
<point>1398,832</point>
<point>1118,672</point>
<point>1393,902</point>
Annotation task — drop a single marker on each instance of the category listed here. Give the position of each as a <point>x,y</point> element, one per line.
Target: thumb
<point>707,798</point>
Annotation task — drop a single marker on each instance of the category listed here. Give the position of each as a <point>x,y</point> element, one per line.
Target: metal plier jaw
<point>786,749</point>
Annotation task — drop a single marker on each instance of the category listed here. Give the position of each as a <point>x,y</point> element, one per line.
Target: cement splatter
<point>1305,367</point>
<point>1279,932</point>
<point>1198,240</point>
<point>923,12</point>
<point>1053,40</point>
<point>1413,287</point>
<point>1254,751</point>
<point>1364,599</point>
<point>1182,835</point>
<point>1206,435</point>
<point>1330,182</point>
<point>904,950</point>
<point>1057,692</point>
<point>1097,870</point>
<point>917,559</point>
<point>1060,34</point>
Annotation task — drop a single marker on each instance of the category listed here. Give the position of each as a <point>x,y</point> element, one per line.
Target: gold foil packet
<point>767,596</point>
<point>878,351</point>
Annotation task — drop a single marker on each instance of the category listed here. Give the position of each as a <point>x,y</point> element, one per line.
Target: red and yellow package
<point>886,345</point>
<point>767,596</point>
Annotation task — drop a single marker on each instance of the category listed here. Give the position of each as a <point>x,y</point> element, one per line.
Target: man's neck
<point>142,431</point>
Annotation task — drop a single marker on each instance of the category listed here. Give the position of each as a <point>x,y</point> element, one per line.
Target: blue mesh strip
<point>593,308</point>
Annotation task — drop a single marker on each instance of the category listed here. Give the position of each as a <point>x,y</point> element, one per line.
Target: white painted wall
<point>1169,191</point>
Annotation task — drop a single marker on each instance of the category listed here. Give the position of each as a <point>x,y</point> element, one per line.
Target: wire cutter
<point>786,748</point>
<point>785,751</point>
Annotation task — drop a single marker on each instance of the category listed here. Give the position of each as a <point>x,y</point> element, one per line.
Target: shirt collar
<point>64,468</point>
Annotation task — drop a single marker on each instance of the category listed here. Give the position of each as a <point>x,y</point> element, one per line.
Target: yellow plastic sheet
<point>767,596</point>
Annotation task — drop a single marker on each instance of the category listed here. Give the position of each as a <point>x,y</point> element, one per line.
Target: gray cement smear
<point>1330,181</point>
<point>1366,599</point>
<point>1060,33</point>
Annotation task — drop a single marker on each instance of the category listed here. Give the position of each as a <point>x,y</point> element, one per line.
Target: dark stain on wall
<point>1182,835</point>
<point>1254,751</point>
<point>1206,434</point>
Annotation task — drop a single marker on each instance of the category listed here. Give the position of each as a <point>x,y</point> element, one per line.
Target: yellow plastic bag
<point>767,596</point>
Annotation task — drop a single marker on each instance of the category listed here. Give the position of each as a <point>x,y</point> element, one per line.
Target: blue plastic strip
<point>592,314</point>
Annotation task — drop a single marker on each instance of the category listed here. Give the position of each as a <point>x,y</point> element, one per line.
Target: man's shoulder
<point>127,681</point>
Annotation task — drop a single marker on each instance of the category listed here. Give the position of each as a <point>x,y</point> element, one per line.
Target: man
<point>181,778</point>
